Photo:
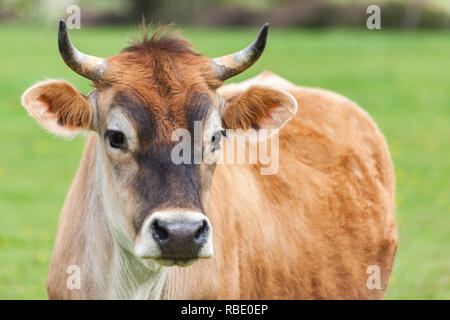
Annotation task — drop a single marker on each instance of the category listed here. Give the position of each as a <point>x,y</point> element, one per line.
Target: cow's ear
<point>259,107</point>
<point>58,106</point>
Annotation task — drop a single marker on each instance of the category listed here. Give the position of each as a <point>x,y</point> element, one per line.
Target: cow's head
<point>156,208</point>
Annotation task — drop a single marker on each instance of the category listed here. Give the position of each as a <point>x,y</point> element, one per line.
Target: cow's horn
<point>230,65</point>
<point>87,66</point>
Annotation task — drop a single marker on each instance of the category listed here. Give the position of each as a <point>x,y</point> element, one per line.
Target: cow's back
<point>314,229</point>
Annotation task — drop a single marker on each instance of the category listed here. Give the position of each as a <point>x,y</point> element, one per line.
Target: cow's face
<point>156,206</point>
<point>153,199</point>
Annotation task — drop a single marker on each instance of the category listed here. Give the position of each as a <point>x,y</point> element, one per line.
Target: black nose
<point>179,239</point>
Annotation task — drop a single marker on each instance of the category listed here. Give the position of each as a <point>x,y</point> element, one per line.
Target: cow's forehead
<point>168,66</point>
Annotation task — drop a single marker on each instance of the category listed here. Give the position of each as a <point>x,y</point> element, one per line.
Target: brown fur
<point>311,230</point>
<point>73,112</point>
<point>308,232</point>
<point>247,109</point>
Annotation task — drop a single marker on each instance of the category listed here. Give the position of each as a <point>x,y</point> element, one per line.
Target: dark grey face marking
<point>159,183</point>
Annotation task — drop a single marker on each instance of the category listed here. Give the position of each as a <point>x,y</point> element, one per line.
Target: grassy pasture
<point>401,79</point>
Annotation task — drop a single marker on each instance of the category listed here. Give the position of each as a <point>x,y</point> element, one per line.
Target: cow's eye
<point>116,139</point>
<point>215,139</point>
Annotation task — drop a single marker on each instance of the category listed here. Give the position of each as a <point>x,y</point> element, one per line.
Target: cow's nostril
<point>202,232</point>
<point>159,232</point>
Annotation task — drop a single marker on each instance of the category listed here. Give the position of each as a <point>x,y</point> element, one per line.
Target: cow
<point>136,225</point>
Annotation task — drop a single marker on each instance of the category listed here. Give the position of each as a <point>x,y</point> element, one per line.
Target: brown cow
<point>135,223</point>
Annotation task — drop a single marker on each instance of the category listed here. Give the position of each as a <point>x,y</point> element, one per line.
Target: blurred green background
<point>399,74</point>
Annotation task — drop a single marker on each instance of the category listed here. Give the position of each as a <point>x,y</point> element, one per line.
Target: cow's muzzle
<point>175,238</point>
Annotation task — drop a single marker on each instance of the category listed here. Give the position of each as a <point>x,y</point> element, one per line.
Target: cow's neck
<point>131,279</point>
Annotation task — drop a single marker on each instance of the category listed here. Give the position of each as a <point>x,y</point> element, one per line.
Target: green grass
<point>401,79</point>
